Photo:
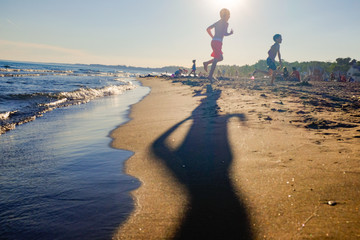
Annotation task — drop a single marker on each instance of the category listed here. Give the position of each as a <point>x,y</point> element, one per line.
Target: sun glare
<point>227,3</point>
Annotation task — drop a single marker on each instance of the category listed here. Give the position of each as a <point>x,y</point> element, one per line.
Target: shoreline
<point>61,171</point>
<point>149,127</point>
<point>288,150</point>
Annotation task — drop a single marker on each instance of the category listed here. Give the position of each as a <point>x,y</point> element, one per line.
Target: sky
<point>157,33</point>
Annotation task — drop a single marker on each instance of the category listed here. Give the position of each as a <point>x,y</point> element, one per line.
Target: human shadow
<point>201,163</point>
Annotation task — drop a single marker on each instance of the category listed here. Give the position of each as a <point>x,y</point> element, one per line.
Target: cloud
<point>41,47</point>
<point>25,51</point>
<point>11,22</point>
<point>35,52</point>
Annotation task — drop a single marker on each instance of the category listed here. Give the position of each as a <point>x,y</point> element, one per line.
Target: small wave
<point>46,102</point>
<point>58,102</point>
<point>11,126</point>
<point>34,70</point>
<point>80,94</point>
<point>7,127</point>
<point>6,115</point>
<point>91,93</point>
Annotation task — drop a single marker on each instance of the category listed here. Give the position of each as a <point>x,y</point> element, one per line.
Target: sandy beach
<point>240,159</point>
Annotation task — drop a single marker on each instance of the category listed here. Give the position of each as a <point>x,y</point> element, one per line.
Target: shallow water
<point>59,179</point>
<point>28,90</point>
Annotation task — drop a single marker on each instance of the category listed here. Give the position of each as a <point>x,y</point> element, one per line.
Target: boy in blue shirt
<point>274,50</point>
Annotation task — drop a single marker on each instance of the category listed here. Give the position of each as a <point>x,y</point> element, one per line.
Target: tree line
<point>341,65</point>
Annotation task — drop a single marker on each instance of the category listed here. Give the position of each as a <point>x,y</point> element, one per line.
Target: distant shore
<point>244,159</point>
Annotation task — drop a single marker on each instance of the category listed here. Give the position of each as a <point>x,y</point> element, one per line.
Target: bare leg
<point>274,73</point>
<point>213,66</point>
<point>207,63</point>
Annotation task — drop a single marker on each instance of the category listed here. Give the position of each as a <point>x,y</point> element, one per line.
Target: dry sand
<point>244,160</point>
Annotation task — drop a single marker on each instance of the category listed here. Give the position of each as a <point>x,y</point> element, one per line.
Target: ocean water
<point>28,90</point>
<point>59,177</point>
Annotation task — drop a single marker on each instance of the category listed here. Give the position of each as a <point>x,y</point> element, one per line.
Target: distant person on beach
<point>332,76</point>
<point>193,68</point>
<point>285,73</point>
<point>177,73</point>
<point>274,50</point>
<point>221,30</point>
<point>295,75</point>
<point>343,78</point>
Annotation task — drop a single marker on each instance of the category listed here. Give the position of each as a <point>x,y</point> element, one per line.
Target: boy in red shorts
<point>221,27</point>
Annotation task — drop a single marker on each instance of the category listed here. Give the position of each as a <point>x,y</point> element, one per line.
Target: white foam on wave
<point>87,94</point>
<point>58,102</point>
<point>34,70</point>
<point>6,115</point>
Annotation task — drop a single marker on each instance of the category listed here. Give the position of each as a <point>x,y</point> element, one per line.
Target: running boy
<point>221,27</point>
<point>274,50</point>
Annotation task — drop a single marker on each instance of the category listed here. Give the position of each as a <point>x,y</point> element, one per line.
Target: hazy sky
<point>173,32</point>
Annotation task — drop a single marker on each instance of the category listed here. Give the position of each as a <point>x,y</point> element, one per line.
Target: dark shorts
<point>271,64</point>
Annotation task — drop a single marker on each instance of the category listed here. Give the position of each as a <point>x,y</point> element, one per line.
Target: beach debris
<point>268,118</point>
<point>278,102</point>
<point>314,214</point>
<point>331,203</point>
<point>278,110</point>
<point>263,95</point>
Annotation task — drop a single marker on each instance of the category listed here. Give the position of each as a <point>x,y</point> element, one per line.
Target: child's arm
<point>209,31</point>
<point>229,33</point>
<point>279,57</point>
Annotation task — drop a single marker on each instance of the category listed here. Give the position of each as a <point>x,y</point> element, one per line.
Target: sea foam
<point>87,94</point>
<point>57,100</point>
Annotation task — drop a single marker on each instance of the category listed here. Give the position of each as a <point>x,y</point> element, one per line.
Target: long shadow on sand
<point>202,164</point>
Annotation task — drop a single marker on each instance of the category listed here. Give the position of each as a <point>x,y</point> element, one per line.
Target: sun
<point>227,3</point>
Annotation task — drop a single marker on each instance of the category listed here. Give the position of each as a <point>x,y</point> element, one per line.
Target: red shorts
<point>216,46</point>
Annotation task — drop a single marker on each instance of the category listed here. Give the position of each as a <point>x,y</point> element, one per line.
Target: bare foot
<point>205,66</point>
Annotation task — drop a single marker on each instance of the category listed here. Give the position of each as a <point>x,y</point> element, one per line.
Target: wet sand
<point>240,159</point>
